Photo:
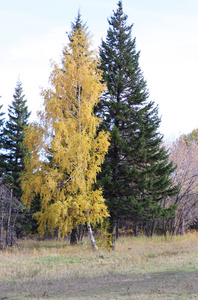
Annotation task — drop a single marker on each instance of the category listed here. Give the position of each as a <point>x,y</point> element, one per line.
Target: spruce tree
<point>136,173</point>
<point>13,137</point>
<point>13,153</point>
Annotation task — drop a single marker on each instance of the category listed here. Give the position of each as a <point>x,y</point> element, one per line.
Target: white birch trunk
<point>93,242</point>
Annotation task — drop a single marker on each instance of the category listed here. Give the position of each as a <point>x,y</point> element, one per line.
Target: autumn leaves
<point>65,151</point>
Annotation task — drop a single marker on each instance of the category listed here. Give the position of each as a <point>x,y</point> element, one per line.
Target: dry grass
<point>139,268</point>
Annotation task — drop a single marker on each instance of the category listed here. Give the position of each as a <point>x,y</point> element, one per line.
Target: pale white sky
<point>33,32</point>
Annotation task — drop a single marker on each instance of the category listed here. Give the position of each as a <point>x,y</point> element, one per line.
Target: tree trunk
<point>9,230</point>
<point>153,228</point>
<point>146,227</point>
<point>112,231</point>
<point>81,231</point>
<point>136,230</point>
<point>73,237</point>
<point>182,227</point>
<point>164,227</point>
<point>93,242</point>
<point>173,227</point>
<point>2,217</point>
<point>117,231</point>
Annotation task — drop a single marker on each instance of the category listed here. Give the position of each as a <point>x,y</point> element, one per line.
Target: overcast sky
<point>33,32</point>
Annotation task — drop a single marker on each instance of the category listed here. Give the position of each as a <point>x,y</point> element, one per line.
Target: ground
<point>139,268</point>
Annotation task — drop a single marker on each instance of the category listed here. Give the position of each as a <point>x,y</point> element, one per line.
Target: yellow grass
<point>54,269</point>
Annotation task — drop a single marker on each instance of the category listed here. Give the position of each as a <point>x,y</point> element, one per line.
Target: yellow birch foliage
<point>65,152</point>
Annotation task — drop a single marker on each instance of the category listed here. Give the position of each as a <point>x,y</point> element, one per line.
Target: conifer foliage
<point>65,151</point>
<point>13,135</point>
<point>136,172</point>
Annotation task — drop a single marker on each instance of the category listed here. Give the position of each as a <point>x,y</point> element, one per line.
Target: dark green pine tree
<point>136,173</point>
<point>13,155</point>
<point>13,137</point>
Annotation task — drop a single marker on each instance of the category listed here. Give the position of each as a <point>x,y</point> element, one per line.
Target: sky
<point>33,33</point>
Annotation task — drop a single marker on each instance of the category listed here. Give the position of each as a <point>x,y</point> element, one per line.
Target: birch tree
<point>184,155</point>
<point>10,207</point>
<point>66,152</point>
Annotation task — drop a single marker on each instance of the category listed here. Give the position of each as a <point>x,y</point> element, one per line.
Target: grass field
<point>139,268</point>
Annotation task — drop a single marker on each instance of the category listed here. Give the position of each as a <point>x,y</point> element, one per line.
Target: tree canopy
<point>65,151</point>
<point>136,172</point>
<point>13,136</point>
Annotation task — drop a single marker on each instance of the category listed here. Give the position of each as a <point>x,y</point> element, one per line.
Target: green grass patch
<point>57,260</point>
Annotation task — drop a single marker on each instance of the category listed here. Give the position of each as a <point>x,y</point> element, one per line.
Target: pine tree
<point>13,134</point>
<point>72,152</point>
<point>136,172</point>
